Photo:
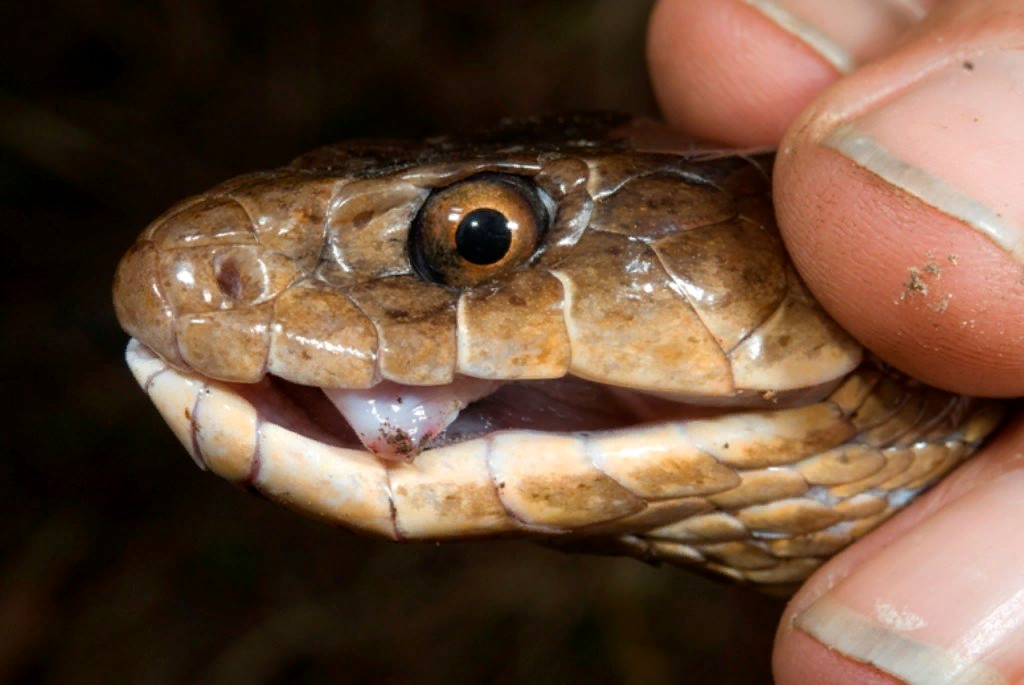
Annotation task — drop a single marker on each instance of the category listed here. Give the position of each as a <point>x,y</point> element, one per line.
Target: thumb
<point>900,193</point>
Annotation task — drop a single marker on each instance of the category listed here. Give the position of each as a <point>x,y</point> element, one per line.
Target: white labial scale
<point>334,483</point>
<point>174,394</point>
<point>225,432</point>
<point>448,492</point>
<point>396,421</point>
<point>142,363</point>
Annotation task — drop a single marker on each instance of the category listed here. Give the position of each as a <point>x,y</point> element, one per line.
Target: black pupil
<point>483,236</point>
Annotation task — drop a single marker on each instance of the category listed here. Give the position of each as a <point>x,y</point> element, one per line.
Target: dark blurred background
<point>122,563</point>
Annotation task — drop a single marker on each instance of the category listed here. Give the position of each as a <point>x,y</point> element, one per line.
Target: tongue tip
<point>395,444</point>
<point>396,422</point>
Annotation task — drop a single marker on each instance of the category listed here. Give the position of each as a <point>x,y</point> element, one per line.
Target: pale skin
<point>918,251</point>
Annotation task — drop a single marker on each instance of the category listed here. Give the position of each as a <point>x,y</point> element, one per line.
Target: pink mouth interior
<point>564,405</point>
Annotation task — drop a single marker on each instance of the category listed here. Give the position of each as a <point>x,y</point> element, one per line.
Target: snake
<point>579,329</point>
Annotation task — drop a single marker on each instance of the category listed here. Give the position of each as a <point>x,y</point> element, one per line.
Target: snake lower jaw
<point>758,496</point>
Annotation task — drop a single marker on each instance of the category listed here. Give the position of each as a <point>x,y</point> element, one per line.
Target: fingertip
<point>899,605</point>
<point>800,659</point>
<point>723,72</point>
<point>904,220</point>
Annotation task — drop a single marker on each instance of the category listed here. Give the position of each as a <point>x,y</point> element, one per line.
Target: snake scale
<point>568,328</point>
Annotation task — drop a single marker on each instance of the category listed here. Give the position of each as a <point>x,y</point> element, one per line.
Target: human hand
<point>899,187</point>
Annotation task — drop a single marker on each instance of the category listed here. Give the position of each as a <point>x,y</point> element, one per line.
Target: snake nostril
<point>229,278</point>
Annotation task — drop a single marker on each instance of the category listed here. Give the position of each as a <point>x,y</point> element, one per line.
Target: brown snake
<point>645,373</point>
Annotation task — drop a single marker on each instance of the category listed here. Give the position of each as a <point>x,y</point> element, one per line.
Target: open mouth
<point>396,423</point>
<point>543,456</point>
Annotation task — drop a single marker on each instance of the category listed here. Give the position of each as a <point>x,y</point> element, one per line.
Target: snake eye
<point>478,229</point>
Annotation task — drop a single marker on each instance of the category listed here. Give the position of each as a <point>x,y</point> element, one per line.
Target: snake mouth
<point>398,422</point>
<point>395,422</point>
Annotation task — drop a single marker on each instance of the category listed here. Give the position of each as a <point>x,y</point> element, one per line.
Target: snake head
<point>642,270</point>
<point>562,325</point>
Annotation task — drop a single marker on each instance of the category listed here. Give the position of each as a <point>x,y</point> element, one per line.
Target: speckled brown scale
<point>637,240</point>
<point>659,269</point>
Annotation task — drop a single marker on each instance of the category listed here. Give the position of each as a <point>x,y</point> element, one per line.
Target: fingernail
<point>844,32</point>
<point>944,604</point>
<point>955,140</point>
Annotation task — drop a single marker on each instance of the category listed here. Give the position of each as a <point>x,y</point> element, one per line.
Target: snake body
<point>669,389</point>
